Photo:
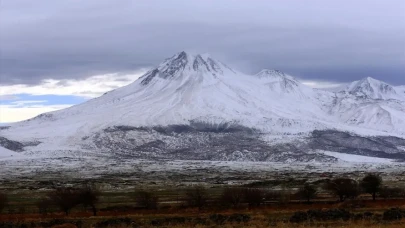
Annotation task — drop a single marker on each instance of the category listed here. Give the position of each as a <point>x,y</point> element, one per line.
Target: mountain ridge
<point>192,99</point>
<point>373,88</point>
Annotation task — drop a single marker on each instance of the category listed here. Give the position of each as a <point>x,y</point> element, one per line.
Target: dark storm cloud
<point>339,41</point>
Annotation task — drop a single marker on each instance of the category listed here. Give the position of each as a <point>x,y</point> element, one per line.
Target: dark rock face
<point>199,141</point>
<point>374,146</point>
<point>195,141</point>
<point>214,66</point>
<point>11,145</point>
<point>149,76</point>
<point>228,141</point>
<point>43,116</point>
<point>199,62</point>
<point>232,142</point>
<point>177,64</point>
<point>124,128</point>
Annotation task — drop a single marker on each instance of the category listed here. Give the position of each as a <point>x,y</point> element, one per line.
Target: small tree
<point>196,197</point>
<point>64,198</point>
<point>89,196</point>
<point>254,196</point>
<point>232,196</point>
<point>3,201</point>
<point>371,184</point>
<point>146,199</point>
<point>344,188</point>
<point>307,192</point>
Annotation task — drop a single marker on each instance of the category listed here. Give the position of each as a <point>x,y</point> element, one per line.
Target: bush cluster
<point>253,197</point>
<point>346,188</point>
<point>320,215</point>
<point>393,214</point>
<point>66,198</point>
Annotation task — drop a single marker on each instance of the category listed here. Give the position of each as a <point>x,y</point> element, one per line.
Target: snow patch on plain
<point>355,158</point>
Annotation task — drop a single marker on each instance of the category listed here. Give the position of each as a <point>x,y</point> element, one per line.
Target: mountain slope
<point>6,153</point>
<point>191,87</point>
<point>283,84</point>
<point>371,103</point>
<point>374,89</point>
<point>192,106</point>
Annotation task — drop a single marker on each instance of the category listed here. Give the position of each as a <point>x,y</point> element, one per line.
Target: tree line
<point>88,196</point>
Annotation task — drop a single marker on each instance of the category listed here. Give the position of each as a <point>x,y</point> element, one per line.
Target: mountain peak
<point>371,80</point>
<point>372,88</point>
<point>277,75</point>
<point>270,73</point>
<point>187,63</point>
<point>283,84</point>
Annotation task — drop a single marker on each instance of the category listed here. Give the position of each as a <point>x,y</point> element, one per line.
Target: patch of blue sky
<point>43,99</point>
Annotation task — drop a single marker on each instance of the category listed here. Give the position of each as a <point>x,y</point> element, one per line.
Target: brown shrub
<point>88,196</point>
<point>64,198</point>
<point>344,188</point>
<point>307,192</point>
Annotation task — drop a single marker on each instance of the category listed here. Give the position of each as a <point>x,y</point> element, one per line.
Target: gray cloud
<point>326,40</point>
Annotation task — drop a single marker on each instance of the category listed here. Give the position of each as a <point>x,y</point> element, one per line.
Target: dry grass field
<point>113,212</point>
<point>118,205</point>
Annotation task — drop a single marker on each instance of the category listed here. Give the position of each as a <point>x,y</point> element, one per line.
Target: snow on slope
<point>373,104</point>
<point>356,158</point>
<point>283,84</point>
<point>192,87</point>
<point>183,88</point>
<point>400,90</point>
<point>7,154</point>
<point>372,88</point>
<point>384,115</point>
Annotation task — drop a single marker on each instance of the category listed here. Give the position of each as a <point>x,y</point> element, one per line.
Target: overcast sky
<point>82,48</point>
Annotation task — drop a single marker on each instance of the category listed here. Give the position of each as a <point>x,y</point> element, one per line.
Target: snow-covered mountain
<point>192,106</point>
<point>284,84</point>
<point>374,89</point>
